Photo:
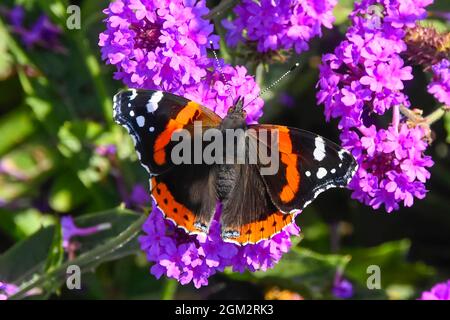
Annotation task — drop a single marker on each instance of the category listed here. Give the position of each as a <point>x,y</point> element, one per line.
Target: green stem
<point>169,289</point>
<point>85,260</point>
<point>218,10</point>
<point>437,114</point>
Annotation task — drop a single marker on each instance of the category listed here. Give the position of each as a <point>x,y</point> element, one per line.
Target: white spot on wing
<point>333,170</point>
<point>132,113</point>
<point>133,94</point>
<point>152,104</point>
<point>322,172</point>
<point>140,121</point>
<point>319,151</point>
<point>151,129</point>
<point>308,174</point>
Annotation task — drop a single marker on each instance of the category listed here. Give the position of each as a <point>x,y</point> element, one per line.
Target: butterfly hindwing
<point>151,117</point>
<point>186,195</point>
<point>248,215</point>
<point>308,165</point>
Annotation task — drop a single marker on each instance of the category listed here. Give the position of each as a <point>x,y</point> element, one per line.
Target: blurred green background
<point>55,111</point>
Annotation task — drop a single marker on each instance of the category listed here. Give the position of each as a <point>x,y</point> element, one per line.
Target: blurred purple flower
<point>287,100</point>
<point>194,258</point>
<point>139,197</point>
<point>42,32</point>
<point>106,150</point>
<point>157,44</point>
<point>363,78</point>
<point>440,291</point>
<point>342,288</point>
<point>213,93</point>
<point>275,24</point>
<point>7,290</point>
<point>16,16</point>
<point>70,230</point>
<point>440,86</point>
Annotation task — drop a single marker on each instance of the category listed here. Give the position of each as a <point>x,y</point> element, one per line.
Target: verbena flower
<point>275,24</point>
<point>194,258</point>
<point>392,165</point>
<point>440,291</point>
<point>157,44</point>
<point>361,80</point>
<point>440,85</point>
<point>70,230</point>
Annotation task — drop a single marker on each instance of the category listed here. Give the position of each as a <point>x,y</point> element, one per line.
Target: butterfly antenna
<point>219,67</point>
<point>297,64</point>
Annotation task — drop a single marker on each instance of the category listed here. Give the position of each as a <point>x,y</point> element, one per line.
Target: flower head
<point>392,165</point>
<point>360,81</point>
<point>157,44</point>
<point>194,258</point>
<point>440,86</point>
<point>440,291</point>
<point>273,25</point>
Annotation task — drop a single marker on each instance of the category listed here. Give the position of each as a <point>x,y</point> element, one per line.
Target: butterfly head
<point>236,115</point>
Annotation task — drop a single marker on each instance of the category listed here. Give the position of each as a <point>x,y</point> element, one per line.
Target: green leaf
<point>301,270</point>
<point>14,128</point>
<point>391,257</point>
<point>28,258</point>
<point>67,193</point>
<point>56,253</point>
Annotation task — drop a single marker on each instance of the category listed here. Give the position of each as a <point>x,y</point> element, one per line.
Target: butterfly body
<point>254,206</point>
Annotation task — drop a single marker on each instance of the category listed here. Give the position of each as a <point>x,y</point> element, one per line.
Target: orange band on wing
<point>284,139</point>
<point>289,190</point>
<point>173,210</point>
<point>186,115</point>
<point>264,229</point>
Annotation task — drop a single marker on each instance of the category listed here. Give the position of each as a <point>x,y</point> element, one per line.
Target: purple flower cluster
<point>440,291</point>
<point>364,78</point>
<point>276,24</point>
<point>42,33</point>
<point>440,86</point>
<point>157,44</point>
<point>194,258</point>
<point>218,96</point>
<point>392,166</point>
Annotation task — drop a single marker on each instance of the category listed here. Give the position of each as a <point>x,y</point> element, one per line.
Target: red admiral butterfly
<point>254,206</point>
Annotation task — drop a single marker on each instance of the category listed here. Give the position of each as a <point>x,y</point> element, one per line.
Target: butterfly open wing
<point>184,193</point>
<point>151,117</point>
<point>308,165</point>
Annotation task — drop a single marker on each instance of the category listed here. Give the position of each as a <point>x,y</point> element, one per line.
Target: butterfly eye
<point>230,110</point>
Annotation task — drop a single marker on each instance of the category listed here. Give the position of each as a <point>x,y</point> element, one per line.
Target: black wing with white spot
<point>308,165</point>
<point>151,117</point>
